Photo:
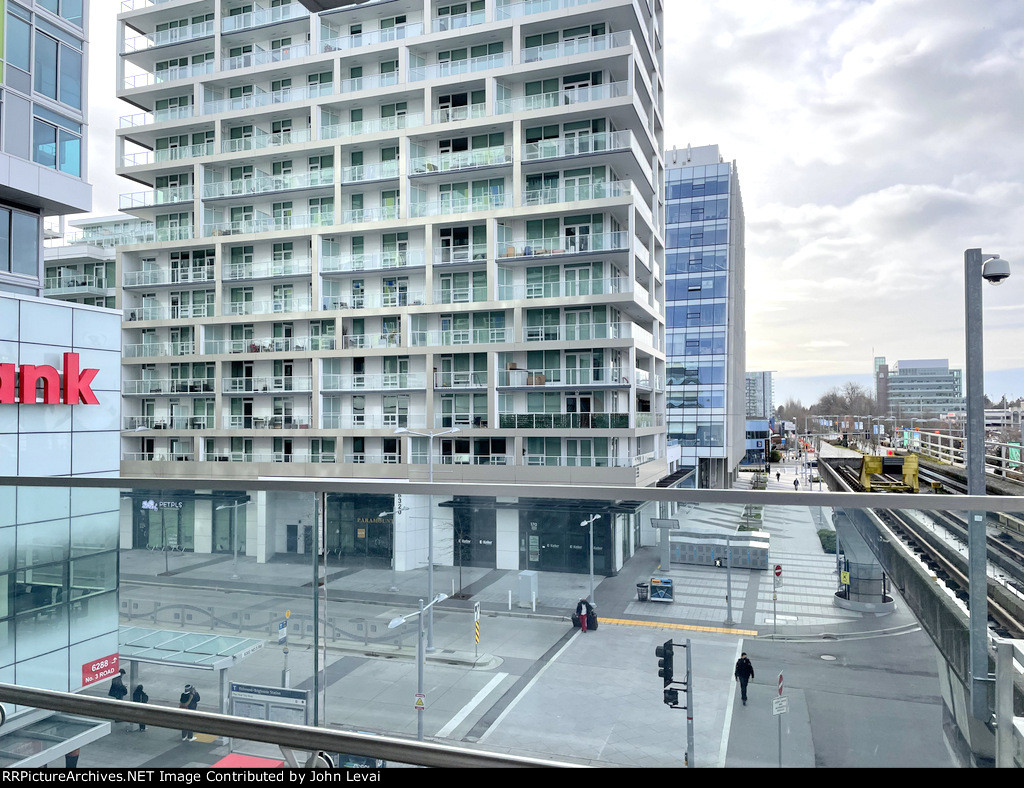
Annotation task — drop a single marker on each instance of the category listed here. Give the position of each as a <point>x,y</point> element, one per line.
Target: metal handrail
<point>297,737</point>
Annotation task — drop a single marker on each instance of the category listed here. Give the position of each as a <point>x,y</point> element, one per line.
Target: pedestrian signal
<point>671,697</point>
<point>664,654</point>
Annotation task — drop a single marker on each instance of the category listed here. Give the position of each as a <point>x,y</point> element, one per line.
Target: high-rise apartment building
<point>760,394</point>
<point>704,306</point>
<point>60,367</point>
<point>393,218</point>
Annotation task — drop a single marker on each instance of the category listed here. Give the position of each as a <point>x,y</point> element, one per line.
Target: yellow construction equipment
<point>892,474</point>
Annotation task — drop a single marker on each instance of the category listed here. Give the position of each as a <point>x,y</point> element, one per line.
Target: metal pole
<point>975,449</point>
<point>420,659</point>
<point>234,539</point>
<point>592,600</point>
<point>430,543</point>
<point>728,583</point>
<point>315,553</point>
<point>690,761</point>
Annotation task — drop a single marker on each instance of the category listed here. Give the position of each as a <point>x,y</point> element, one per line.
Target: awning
<point>184,649</point>
<point>47,740</point>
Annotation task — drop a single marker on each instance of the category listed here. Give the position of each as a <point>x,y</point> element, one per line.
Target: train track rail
<point>946,555</point>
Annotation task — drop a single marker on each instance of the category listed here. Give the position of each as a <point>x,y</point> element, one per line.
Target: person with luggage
<point>584,614</point>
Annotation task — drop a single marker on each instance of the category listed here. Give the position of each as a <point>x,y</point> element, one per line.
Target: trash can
<point>642,590</point>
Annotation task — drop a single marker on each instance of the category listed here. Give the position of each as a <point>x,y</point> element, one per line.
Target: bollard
<point>510,601</point>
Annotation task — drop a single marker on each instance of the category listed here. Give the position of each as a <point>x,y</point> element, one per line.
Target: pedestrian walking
<point>584,612</point>
<point>778,476</point>
<point>189,700</point>
<point>744,672</point>
<point>71,758</point>
<point>117,688</point>
<point>796,484</point>
<point>140,696</point>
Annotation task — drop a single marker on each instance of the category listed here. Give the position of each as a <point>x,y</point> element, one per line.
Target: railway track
<point>946,555</point>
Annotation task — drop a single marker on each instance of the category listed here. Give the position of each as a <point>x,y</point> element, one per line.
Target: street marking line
<point>689,627</point>
<point>454,722</point>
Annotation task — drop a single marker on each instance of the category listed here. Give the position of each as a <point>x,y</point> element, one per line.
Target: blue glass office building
<point>704,305</point>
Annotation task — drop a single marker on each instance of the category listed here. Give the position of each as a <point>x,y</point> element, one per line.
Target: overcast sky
<point>875,142</point>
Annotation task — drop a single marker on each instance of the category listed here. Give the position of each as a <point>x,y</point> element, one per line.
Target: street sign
<point>282,632</point>
<point>778,570</point>
<point>780,685</point>
<point>780,706</point>
<point>420,704</point>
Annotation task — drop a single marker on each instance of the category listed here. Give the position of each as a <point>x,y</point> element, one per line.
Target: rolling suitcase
<point>591,621</point>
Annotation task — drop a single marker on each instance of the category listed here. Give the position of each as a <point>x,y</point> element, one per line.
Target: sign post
<point>775,597</point>
<point>282,638</point>
<point>780,706</point>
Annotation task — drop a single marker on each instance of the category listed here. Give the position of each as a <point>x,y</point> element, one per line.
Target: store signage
<point>101,669</point>
<point>20,384</point>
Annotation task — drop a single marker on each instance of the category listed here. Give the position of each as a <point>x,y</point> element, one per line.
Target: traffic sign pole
<point>775,596</point>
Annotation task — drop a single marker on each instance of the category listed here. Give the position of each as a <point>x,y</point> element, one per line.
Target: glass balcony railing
<point>385,381</point>
<point>330,131</point>
<point>577,332</point>
<point>577,46</point>
<point>371,82</point>
<point>155,349</point>
<point>564,289</point>
<point>457,21</point>
<point>262,16</point>
<point>143,158</point>
<point>269,306</point>
<point>261,140</point>
<point>260,57</point>
<point>591,191</point>
<point>563,421</point>
<point>567,244</point>
<point>168,312</point>
<point>514,10</point>
<point>293,266</point>
<point>374,300</point>
<point>264,183</point>
<point>168,386</point>
<point>262,223</point>
<point>461,336</point>
<point>384,170</point>
<point>563,98</point>
<point>154,197</point>
<point>299,344</point>
<point>460,380</point>
<point>371,262</point>
<point>385,421</point>
<point>460,204</point>
<point>334,42</point>
<point>174,35</point>
<point>454,67</point>
<point>267,384</point>
<point>167,276</point>
<point>570,376</point>
<point>168,75</point>
<point>461,160</point>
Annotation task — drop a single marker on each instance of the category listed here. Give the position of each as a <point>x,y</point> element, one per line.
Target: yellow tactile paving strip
<point>690,627</point>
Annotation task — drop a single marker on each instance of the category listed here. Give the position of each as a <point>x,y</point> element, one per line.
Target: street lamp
<point>993,269</point>
<point>430,520</point>
<point>590,522</point>
<point>420,656</point>
<point>234,534</point>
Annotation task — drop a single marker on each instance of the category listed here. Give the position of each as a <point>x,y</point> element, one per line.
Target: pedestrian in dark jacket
<point>189,700</point>
<point>117,688</point>
<point>744,672</point>
<point>140,696</point>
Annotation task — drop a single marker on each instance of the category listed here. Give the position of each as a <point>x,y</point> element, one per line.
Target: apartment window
<point>19,40</point>
<point>71,10</point>
<point>57,67</point>
<point>19,242</point>
<point>56,142</point>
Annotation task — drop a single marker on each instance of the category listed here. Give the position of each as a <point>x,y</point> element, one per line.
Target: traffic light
<point>671,697</point>
<point>664,653</point>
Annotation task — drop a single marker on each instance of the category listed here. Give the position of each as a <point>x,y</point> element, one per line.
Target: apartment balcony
<point>455,67</point>
<point>362,341</point>
<point>593,191</point>
<point>261,222</point>
<point>168,75</point>
<point>157,349</point>
<point>467,204</point>
<point>263,457</point>
<point>152,198</point>
<point>582,145</point>
<point>457,21</point>
<point>339,43</point>
<point>375,126</point>
<point>466,336</point>
<point>374,300</point>
<point>573,377</point>
<point>167,386</point>
<point>261,140</point>
<point>184,152</point>
<point>528,7</point>
<point>590,461</point>
<point>272,306</point>
<point>260,98</point>
<point>166,276</point>
<point>264,183</point>
<point>260,16</point>
<point>456,114</point>
<point>267,384</point>
<point>459,295</point>
<point>75,285</point>
<point>371,262</point>
<point>565,245</point>
<point>564,289</point>
<point>465,253</point>
<point>293,266</point>
<point>372,459</point>
<point>385,170</point>
<point>465,459</point>
<point>563,421</point>
<point>381,213</point>
<point>476,379</point>
<point>291,422</point>
<point>158,456</point>
<point>275,345</point>
<point>176,35</point>
<point>168,312</point>
<point>261,57</point>
<point>563,98</point>
<point>371,82</point>
<point>382,421</point>
<point>578,46</point>
<point>388,381</point>
<point>461,160</point>
<point>140,423</point>
<point>140,119</point>
<point>577,332</point>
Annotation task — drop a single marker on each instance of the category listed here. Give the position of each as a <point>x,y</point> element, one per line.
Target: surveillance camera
<point>996,270</point>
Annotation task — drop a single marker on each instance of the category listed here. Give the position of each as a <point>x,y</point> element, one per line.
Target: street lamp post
<point>420,654</point>
<point>590,522</point>
<point>977,266</point>
<point>430,521</point>
<point>234,534</point>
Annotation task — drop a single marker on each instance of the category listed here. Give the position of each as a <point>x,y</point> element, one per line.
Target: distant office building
<point>704,305</point>
<point>760,395</point>
<point>918,387</point>
<point>60,398</point>
<point>758,442</point>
